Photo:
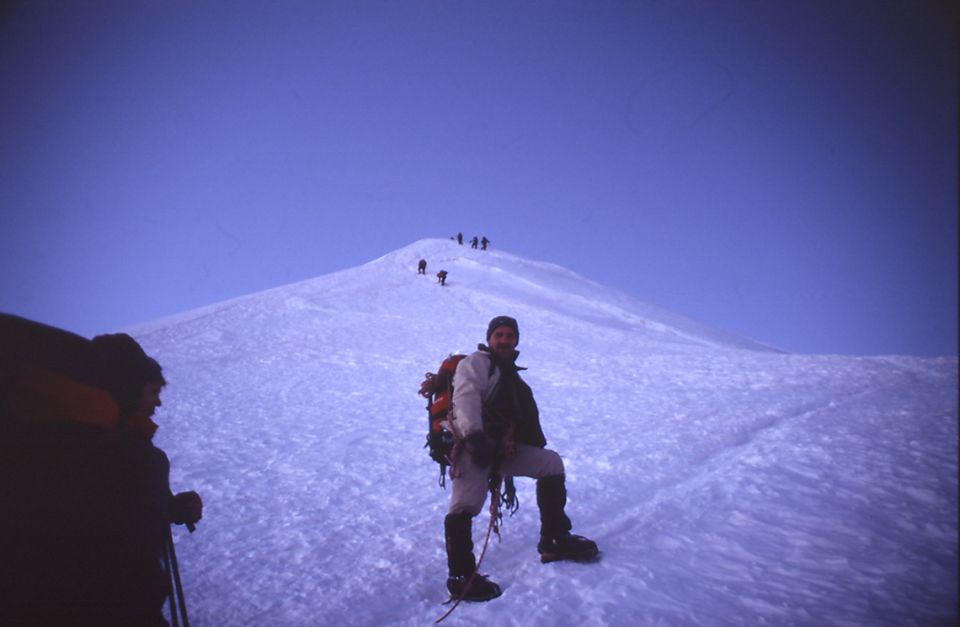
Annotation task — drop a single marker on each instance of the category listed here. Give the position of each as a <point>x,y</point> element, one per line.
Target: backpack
<point>48,375</point>
<point>437,388</point>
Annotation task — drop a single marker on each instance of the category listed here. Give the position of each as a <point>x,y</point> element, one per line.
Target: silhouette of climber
<point>484,242</point>
<point>422,267</point>
<point>473,242</point>
<point>442,277</point>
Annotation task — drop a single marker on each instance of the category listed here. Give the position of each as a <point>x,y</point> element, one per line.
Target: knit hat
<point>503,321</point>
<point>124,369</point>
<point>152,372</point>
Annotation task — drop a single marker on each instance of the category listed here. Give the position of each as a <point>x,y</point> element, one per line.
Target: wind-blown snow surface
<point>725,482</point>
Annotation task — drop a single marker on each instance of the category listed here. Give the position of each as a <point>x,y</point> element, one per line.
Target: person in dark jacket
<point>145,502</point>
<point>484,242</point>
<point>474,242</point>
<point>86,497</point>
<point>442,277</point>
<point>496,424</point>
<point>422,267</point>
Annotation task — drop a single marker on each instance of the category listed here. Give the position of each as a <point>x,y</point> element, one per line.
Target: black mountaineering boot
<point>556,541</point>
<point>462,581</point>
<point>567,547</point>
<point>480,589</point>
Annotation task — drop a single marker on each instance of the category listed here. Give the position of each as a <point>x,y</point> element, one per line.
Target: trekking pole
<point>175,571</point>
<point>169,584</point>
<point>494,506</point>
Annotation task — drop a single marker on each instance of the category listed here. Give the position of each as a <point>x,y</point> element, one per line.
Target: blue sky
<point>783,170</point>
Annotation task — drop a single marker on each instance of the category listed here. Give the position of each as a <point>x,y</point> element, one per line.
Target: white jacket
<point>472,386</point>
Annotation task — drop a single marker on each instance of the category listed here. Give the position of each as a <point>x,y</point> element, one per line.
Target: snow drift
<point>726,482</point>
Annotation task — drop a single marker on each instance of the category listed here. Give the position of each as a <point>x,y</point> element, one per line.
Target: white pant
<point>469,491</point>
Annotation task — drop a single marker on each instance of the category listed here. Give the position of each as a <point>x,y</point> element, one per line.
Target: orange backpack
<point>437,388</point>
<point>48,375</point>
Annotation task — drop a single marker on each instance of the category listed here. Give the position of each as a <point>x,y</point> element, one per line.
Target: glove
<point>186,508</point>
<point>481,448</point>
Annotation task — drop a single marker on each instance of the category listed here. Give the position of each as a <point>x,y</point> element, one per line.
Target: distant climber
<point>422,267</point>
<point>473,242</point>
<point>460,238</point>
<point>442,277</point>
<point>483,243</point>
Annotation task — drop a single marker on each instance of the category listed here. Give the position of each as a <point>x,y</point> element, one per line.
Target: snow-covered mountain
<point>726,482</point>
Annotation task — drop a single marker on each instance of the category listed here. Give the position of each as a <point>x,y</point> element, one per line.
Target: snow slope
<point>726,482</point>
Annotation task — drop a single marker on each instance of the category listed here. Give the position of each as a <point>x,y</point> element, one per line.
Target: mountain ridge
<point>490,276</point>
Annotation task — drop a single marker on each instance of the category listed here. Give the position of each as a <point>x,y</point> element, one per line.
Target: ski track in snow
<point>726,483</point>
